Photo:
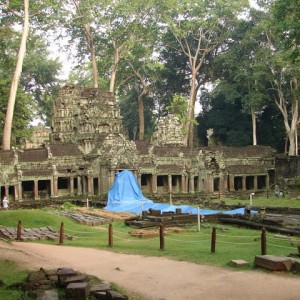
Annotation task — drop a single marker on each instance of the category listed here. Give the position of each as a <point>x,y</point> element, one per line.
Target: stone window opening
<point>250,183</point>
<point>28,189</point>
<point>216,184</point>
<point>261,182</point>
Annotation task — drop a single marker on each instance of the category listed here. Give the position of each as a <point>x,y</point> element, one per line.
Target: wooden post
<point>199,218</point>
<point>19,229</point>
<point>110,236</point>
<point>263,241</point>
<point>213,240</point>
<point>61,233</point>
<point>161,238</point>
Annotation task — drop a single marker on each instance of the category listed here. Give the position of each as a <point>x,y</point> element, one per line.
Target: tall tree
<point>84,18</point>
<point>199,28</point>
<point>16,78</point>
<point>15,15</point>
<point>245,80</point>
<point>280,54</point>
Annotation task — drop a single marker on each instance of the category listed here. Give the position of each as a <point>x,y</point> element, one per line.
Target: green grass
<point>231,243</point>
<point>10,274</point>
<point>270,201</point>
<point>191,245</point>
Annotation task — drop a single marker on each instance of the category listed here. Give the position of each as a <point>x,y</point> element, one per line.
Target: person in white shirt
<point>5,203</point>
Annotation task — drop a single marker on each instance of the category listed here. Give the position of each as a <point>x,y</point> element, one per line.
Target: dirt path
<point>157,278</point>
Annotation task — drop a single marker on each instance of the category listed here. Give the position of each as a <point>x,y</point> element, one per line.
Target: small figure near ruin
<point>277,191</point>
<point>5,203</point>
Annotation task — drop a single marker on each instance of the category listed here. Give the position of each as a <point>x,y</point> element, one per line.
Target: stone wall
<point>87,147</point>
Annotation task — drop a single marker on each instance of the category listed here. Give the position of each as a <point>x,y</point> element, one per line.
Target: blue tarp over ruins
<point>125,195</point>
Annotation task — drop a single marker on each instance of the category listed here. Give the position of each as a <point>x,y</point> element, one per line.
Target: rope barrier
<point>235,243</point>
<point>239,236</point>
<point>174,240</point>
<point>132,240</point>
<point>278,246</point>
<point>83,232</point>
<point>288,239</point>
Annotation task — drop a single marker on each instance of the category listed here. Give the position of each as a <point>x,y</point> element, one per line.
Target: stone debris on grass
<point>45,284</point>
<point>41,233</point>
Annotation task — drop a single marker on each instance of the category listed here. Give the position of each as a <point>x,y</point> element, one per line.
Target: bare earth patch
<point>110,215</point>
<point>156,277</point>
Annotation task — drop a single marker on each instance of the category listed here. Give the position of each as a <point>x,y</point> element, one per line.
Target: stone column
<point>84,187</point>
<point>154,183</point>
<point>79,186</point>
<point>170,183</point>
<point>71,186</point>
<point>6,191</point>
<point>255,182</point>
<point>55,186</point>
<point>52,188</point>
<point>183,183</point>
<point>36,189</point>
<point>100,184</point>
<point>16,192</point>
<point>90,190</point>
<point>20,190</point>
<point>210,183</point>
<point>111,178</point>
<point>231,182</point>
<point>244,183</point>
<point>267,181</point>
<point>139,179</point>
<point>223,182</point>
<point>200,183</point>
<point>191,184</point>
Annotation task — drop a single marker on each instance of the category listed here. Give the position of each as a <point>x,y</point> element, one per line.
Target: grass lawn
<point>270,201</point>
<point>232,242</point>
<point>11,274</point>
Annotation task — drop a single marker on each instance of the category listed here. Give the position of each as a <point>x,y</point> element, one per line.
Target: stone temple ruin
<point>86,146</point>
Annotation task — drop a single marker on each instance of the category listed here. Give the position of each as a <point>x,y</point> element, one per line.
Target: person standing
<point>5,203</point>
<point>277,191</point>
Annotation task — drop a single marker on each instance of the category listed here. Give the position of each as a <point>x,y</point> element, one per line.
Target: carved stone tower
<point>84,116</point>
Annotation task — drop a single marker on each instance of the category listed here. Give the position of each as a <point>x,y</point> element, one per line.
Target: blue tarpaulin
<point>125,195</point>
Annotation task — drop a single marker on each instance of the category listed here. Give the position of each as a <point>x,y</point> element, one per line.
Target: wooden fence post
<point>61,233</point>
<point>19,230</point>
<point>263,241</point>
<point>213,240</point>
<point>161,238</point>
<point>110,236</point>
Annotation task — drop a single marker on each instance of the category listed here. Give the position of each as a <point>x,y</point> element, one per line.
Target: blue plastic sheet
<point>125,195</point>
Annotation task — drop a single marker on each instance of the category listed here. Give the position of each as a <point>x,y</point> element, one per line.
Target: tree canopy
<point>238,63</point>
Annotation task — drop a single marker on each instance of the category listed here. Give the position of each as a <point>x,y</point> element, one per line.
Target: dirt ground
<point>157,278</point>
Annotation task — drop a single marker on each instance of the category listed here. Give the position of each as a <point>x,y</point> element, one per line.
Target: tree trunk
<point>93,55</point>
<point>114,69</point>
<point>188,139</point>
<point>141,116</point>
<point>253,126</point>
<point>15,81</point>
<point>89,38</point>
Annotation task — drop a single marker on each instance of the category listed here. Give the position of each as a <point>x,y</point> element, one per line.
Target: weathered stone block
<point>240,263</point>
<point>112,295</point>
<point>103,287</point>
<point>78,278</point>
<point>64,274</point>
<point>274,263</point>
<point>100,295</point>
<point>77,291</point>
<point>297,265</point>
